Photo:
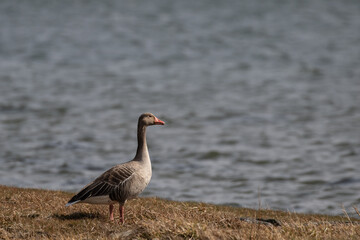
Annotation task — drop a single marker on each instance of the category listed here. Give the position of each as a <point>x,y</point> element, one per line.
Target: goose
<point>124,181</point>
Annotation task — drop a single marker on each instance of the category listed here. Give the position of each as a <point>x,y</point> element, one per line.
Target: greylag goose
<point>123,181</point>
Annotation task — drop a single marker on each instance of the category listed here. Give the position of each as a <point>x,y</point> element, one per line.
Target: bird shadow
<point>77,216</point>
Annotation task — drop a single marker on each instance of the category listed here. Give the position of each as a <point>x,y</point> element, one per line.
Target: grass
<point>41,214</point>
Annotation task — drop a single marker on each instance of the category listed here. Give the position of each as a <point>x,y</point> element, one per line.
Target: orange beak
<point>159,122</point>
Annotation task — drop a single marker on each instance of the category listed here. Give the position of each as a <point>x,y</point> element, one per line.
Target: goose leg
<point>121,210</point>
<point>111,211</point>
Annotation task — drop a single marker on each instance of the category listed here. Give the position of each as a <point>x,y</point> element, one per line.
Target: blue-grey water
<point>261,98</point>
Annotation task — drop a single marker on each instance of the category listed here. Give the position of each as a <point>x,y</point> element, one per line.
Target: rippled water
<point>261,100</point>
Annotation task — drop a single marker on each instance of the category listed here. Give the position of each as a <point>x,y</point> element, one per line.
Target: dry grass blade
<point>356,210</point>
<point>346,214</point>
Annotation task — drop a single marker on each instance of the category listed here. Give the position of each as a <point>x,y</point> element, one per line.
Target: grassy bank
<point>36,214</point>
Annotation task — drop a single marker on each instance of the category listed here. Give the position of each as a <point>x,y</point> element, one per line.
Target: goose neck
<point>142,150</point>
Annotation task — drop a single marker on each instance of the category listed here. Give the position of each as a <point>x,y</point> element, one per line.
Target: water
<point>261,100</point>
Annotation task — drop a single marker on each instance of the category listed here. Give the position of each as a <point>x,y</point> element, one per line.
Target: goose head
<point>149,119</point>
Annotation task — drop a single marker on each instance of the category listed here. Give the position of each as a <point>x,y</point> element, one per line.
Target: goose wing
<point>111,183</point>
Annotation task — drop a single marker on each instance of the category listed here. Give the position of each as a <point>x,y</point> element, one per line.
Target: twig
<point>268,222</point>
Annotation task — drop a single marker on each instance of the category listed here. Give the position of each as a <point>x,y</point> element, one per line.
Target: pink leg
<point>122,210</point>
<point>111,210</point>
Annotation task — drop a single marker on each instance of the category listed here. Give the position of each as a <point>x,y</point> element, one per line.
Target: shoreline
<point>41,214</point>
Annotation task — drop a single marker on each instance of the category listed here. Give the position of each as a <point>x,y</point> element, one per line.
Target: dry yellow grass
<point>41,214</point>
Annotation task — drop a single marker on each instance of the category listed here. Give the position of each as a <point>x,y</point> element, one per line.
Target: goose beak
<point>158,122</point>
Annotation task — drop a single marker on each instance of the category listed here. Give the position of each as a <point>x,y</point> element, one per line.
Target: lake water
<point>261,99</point>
